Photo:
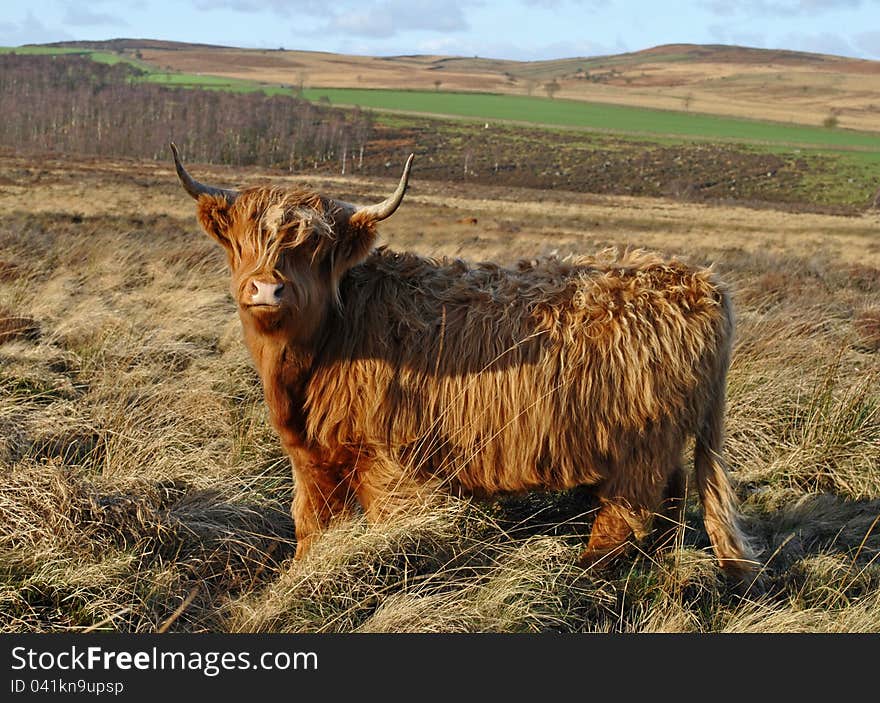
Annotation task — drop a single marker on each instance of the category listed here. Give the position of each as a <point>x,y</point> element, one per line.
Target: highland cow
<point>389,375</point>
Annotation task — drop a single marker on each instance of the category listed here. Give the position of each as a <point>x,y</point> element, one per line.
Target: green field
<point>194,80</point>
<point>99,56</point>
<point>151,75</point>
<point>612,118</point>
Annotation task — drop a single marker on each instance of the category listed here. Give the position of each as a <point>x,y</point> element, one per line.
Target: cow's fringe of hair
<point>282,219</point>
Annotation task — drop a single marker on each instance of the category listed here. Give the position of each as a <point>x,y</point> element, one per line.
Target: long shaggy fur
<point>542,376</point>
<point>388,373</point>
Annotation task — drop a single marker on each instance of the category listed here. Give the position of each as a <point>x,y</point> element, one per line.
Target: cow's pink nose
<point>263,293</point>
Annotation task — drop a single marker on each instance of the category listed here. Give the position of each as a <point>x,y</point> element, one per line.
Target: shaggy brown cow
<point>389,375</point>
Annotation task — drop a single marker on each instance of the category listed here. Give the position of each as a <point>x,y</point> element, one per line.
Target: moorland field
<point>777,86</point>
<point>142,488</point>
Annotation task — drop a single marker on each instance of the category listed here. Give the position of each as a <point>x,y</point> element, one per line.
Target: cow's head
<point>287,249</point>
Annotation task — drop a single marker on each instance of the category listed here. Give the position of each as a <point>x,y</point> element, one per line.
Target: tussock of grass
<point>531,587</point>
<point>822,437</point>
<point>139,547</point>
<point>138,472</point>
<point>448,569</point>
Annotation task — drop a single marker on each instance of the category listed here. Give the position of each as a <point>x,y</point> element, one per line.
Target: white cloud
<point>810,5</point>
<point>820,43</point>
<point>869,43</point>
<point>815,43</point>
<point>449,46</point>
<point>391,17</point>
<point>556,4</point>
<point>356,18</point>
<point>778,8</point>
<point>30,31</point>
<point>80,16</point>
<point>724,34</point>
<point>284,8</point>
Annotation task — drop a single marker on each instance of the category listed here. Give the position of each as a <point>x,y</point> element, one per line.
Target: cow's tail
<point>720,504</point>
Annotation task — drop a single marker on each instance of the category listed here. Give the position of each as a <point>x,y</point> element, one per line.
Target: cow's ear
<point>213,204</point>
<point>214,213</point>
<point>355,240</point>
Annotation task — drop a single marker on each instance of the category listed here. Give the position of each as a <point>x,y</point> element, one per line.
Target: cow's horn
<point>387,207</point>
<point>193,187</point>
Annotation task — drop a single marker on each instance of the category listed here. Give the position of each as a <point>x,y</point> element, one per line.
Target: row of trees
<point>72,104</point>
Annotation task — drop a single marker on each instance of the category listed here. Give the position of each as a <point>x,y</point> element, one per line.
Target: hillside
<point>783,86</point>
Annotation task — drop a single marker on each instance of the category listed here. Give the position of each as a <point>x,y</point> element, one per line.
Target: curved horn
<point>387,207</point>
<point>193,187</point>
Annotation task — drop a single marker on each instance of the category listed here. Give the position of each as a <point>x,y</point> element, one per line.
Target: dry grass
<point>142,488</point>
<point>867,326</point>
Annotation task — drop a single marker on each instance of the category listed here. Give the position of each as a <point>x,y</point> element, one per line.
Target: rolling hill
<point>776,85</point>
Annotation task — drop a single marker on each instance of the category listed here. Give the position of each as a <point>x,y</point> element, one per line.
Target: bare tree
<point>75,105</point>
<point>552,88</point>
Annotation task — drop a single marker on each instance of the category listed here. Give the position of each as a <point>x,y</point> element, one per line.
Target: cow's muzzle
<point>264,294</point>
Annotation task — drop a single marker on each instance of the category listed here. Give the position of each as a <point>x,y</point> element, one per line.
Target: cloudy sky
<point>514,29</point>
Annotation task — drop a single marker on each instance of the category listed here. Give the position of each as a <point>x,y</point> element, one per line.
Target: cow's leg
<point>385,488</point>
<point>322,492</point>
<point>612,527</point>
<point>630,499</point>
<point>670,517</point>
